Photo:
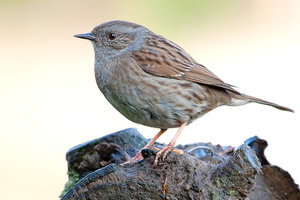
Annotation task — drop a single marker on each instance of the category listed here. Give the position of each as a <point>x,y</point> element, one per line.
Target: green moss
<point>73,178</point>
<point>217,182</point>
<point>232,192</point>
<point>215,196</point>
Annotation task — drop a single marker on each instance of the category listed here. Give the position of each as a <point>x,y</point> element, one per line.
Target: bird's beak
<point>88,36</point>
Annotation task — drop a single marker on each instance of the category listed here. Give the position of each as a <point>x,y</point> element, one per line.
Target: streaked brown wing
<point>162,57</point>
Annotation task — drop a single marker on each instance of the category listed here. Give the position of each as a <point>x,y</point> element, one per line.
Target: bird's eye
<point>112,36</point>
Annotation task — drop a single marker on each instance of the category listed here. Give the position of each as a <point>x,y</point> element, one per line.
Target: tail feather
<point>261,101</point>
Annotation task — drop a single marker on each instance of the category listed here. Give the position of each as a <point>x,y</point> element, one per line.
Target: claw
<point>133,160</point>
<point>139,156</point>
<point>170,147</point>
<point>163,152</point>
<point>166,152</point>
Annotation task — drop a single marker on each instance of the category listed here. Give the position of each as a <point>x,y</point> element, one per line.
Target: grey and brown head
<point>115,37</point>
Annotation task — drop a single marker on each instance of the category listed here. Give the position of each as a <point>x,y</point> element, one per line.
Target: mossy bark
<point>204,171</point>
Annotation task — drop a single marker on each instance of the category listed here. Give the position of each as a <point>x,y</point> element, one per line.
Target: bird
<point>154,82</point>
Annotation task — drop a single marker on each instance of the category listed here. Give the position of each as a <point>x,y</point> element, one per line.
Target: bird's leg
<point>170,147</point>
<point>139,156</point>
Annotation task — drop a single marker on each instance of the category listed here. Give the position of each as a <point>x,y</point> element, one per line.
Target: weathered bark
<point>273,182</point>
<point>204,171</point>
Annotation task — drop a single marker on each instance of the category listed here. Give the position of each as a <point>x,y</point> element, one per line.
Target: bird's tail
<point>243,99</point>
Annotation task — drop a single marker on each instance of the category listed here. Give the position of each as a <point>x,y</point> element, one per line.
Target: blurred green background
<point>50,101</point>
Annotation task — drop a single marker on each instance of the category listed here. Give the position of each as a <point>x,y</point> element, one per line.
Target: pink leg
<point>164,151</point>
<point>139,154</point>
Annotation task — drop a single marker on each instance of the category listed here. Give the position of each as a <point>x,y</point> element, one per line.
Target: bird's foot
<point>164,152</point>
<point>134,159</point>
<point>161,152</point>
<point>178,151</point>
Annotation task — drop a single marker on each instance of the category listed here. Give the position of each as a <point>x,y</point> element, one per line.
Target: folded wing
<point>161,57</point>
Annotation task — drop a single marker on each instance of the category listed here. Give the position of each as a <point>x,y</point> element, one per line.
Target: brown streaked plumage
<point>154,82</point>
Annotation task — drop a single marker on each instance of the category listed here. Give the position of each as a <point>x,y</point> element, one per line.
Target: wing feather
<point>162,57</point>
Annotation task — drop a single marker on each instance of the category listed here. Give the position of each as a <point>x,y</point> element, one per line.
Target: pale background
<point>50,101</point>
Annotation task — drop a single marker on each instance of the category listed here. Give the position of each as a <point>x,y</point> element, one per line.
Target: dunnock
<point>154,82</point>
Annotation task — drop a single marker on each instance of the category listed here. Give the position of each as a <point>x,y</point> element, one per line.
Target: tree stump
<point>204,171</point>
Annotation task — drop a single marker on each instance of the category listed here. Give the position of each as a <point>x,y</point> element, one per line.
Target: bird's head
<point>115,37</point>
